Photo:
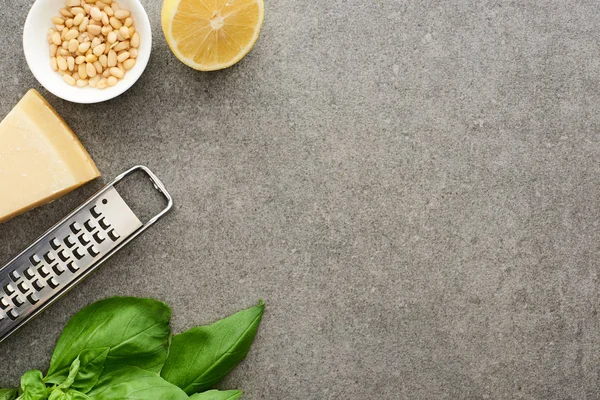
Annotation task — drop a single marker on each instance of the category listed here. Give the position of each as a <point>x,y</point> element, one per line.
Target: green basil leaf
<point>90,364</point>
<point>33,386</point>
<point>135,330</point>
<point>218,395</point>
<point>202,356</point>
<point>135,383</point>
<point>8,394</point>
<point>70,394</point>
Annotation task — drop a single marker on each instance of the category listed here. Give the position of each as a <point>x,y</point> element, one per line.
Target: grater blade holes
<point>43,271</point>
<point>37,285</point>
<point>58,269</point>
<point>49,257</point>
<point>75,227</point>
<point>84,239</point>
<point>92,251</point>
<point>78,255</point>
<point>35,260</point>
<point>23,288</point>
<point>89,226</point>
<point>12,314</point>
<point>28,273</point>
<point>114,236</point>
<point>69,241</point>
<point>18,301</point>
<point>72,267</point>
<point>62,256</point>
<point>33,299</point>
<point>103,224</point>
<point>9,289</point>
<point>98,237</point>
<point>3,303</point>
<point>52,283</point>
<point>95,212</point>
<point>14,276</point>
<point>55,244</point>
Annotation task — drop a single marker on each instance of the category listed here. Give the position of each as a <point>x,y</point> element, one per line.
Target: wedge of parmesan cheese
<point>41,159</point>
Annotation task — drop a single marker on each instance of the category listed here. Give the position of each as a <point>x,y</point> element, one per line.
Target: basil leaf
<point>8,394</point>
<point>202,356</point>
<point>70,394</point>
<point>218,395</point>
<point>134,383</point>
<point>90,364</point>
<point>33,386</point>
<point>135,330</point>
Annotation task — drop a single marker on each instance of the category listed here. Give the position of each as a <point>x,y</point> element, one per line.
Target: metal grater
<point>68,252</point>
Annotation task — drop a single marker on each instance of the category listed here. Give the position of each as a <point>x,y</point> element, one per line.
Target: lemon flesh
<point>209,35</point>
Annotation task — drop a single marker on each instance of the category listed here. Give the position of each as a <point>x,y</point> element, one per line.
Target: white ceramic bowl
<point>37,52</point>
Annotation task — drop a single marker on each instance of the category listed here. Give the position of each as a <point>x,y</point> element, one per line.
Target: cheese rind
<point>41,159</point>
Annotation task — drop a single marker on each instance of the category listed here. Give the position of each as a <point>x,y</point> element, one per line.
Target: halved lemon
<point>208,35</point>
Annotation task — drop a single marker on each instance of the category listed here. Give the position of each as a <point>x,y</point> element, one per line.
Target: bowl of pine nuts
<point>87,51</point>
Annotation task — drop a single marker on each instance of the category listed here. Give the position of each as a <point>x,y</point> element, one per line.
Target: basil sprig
<point>121,348</point>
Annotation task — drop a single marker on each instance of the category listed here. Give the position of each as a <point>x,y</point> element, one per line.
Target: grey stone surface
<point>412,187</point>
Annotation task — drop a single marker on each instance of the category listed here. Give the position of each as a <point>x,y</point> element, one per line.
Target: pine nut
<point>96,14</point>
<point>75,76</point>
<point>87,8</point>
<point>69,23</point>
<point>123,56</point>
<point>79,60</point>
<point>73,45</point>
<point>103,59</point>
<point>129,63</point>
<point>111,37</point>
<point>64,52</point>
<point>102,84</point>
<point>91,70</point>
<point>105,19</point>
<point>78,19</point>
<point>133,53</point>
<point>112,81</point>
<point>115,6</point>
<point>56,39</point>
<point>116,72</point>
<point>53,50</point>
<point>122,14</point>
<point>54,64</point>
<point>78,10</point>
<point>60,28</point>
<point>98,67</point>
<point>124,32</point>
<point>99,50</point>
<point>69,79</point>
<point>84,24</point>
<point>65,13</point>
<point>94,29</point>
<point>72,34</point>
<point>71,63</point>
<point>58,21</point>
<point>96,42</point>
<point>106,73</point>
<point>135,40</point>
<point>65,45</point>
<point>81,83</point>
<point>63,33</point>
<point>83,47</point>
<point>115,23</point>
<point>93,82</point>
<point>82,70</point>
<point>109,11</point>
<point>106,30</point>
<point>101,5</point>
<point>112,58</point>
<point>72,3</point>
<point>121,46</point>
<point>91,58</point>
<point>62,63</point>
<point>129,22</point>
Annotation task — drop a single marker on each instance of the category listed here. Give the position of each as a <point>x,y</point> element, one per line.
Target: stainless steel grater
<point>68,252</point>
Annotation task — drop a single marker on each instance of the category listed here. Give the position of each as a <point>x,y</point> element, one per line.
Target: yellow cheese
<point>40,157</point>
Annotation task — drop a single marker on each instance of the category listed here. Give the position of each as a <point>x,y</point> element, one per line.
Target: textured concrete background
<point>410,185</point>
